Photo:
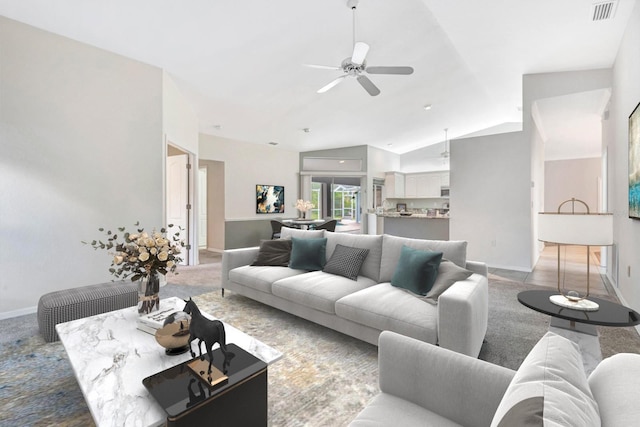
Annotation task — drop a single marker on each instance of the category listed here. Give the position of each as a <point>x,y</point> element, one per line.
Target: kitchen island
<point>417,226</point>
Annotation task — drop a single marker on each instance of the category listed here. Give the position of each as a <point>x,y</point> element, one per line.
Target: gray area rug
<point>324,378</point>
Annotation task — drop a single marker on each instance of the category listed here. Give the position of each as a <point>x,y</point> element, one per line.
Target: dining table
<point>302,223</point>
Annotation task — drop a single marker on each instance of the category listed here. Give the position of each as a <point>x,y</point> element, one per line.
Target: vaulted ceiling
<point>241,64</point>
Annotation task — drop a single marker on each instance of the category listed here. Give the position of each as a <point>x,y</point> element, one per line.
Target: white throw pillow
<point>549,389</point>
<point>288,233</point>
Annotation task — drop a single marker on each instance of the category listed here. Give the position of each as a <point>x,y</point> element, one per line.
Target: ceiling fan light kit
<point>355,66</point>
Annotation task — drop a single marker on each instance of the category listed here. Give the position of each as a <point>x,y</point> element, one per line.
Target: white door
<point>178,199</point>
<point>202,208</point>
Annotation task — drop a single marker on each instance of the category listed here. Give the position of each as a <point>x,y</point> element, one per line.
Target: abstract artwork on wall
<point>634,163</point>
<point>269,199</point>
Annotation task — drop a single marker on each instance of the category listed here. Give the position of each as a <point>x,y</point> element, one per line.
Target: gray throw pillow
<point>346,261</point>
<point>275,253</point>
<point>448,274</point>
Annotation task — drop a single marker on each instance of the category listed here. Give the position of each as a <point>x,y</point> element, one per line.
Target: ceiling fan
<point>356,66</point>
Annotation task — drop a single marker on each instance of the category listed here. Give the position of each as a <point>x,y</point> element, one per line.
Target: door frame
<point>192,226</point>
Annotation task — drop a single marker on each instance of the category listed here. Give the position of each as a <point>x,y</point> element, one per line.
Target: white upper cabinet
<point>425,185</point>
<point>394,184</point>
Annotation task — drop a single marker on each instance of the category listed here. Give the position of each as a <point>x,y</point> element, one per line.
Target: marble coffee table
<point>110,358</point>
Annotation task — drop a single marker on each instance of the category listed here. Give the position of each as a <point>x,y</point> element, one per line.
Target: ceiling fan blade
<point>389,70</point>
<point>322,67</point>
<point>360,51</point>
<point>368,85</point>
<point>332,84</point>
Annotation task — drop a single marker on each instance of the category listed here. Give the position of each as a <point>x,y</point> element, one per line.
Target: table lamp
<point>575,228</point>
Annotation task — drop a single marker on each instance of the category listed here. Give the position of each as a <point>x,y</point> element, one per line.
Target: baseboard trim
<point>509,267</point>
<point>17,313</point>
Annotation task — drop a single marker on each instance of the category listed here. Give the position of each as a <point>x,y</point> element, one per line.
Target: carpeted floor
<point>324,378</point>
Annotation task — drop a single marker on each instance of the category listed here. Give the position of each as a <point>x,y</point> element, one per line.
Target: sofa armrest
<point>233,258</point>
<point>457,387</point>
<point>463,315</point>
<point>478,267</point>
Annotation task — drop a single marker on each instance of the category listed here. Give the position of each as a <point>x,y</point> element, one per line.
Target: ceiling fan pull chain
<point>354,26</point>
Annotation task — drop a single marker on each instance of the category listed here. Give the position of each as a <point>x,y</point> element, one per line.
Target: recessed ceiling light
<point>217,127</point>
<point>306,130</point>
<point>341,161</point>
<point>390,144</point>
<point>273,143</point>
<point>427,107</point>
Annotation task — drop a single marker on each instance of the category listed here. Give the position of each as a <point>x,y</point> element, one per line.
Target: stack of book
<point>151,322</point>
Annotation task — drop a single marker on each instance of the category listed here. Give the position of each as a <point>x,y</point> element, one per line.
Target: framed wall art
<point>634,163</point>
<point>269,199</point>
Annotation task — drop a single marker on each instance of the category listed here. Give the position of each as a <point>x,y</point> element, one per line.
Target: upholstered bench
<point>76,303</point>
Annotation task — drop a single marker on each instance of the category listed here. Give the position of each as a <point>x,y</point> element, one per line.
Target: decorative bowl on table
<point>174,334</point>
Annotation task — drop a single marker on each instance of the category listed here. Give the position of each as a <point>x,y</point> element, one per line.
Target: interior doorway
<point>179,192</point>
<point>338,197</point>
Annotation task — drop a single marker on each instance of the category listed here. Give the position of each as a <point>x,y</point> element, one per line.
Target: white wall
<point>246,165</point>
<point>179,121</point>
<point>625,96</point>
<point>81,140</point>
<point>577,178</point>
<point>378,162</point>
<point>491,200</point>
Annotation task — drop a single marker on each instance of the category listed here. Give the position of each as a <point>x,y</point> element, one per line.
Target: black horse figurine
<point>209,331</point>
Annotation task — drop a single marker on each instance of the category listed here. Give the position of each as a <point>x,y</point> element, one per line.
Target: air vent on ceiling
<point>603,10</point>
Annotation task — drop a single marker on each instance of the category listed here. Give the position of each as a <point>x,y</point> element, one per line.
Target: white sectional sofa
<point>362,308</point>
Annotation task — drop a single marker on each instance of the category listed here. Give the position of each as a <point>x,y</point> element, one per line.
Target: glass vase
<point>149,294</point>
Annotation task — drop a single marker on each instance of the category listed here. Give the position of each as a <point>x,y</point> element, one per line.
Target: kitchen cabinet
<point>445,179</point>
<point>394,185</point>
<point>425,185</point>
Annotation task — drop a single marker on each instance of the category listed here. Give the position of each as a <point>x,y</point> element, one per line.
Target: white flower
<point>141,253</point>
<point>304,205</point>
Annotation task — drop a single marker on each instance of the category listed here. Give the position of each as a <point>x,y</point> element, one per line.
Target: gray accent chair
<point>425,385</point>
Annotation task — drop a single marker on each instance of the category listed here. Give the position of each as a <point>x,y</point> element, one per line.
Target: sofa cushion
<point>273,253</point>
<point>448,274</point>
<point>318,290</point>
<point>389,410</point>
<point>288,233</point>
<point>385,307</point>
<point>549,388</point>
<point>308,254</point>
<point>371,266</point>
<point>260,278</point>
<point>416,270</point>
<point>346,261</point>
<point>453,250</point>
<point>614,384</point>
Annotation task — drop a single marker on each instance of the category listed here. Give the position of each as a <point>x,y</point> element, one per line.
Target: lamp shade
<point>576,229</point>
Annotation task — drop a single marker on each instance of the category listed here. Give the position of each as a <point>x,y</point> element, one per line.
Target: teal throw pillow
<point>416,270</point>
<point>308,254</point>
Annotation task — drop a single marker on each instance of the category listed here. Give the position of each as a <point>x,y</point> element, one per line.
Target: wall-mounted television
<point>269,199</point>
<point>634,163</point>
